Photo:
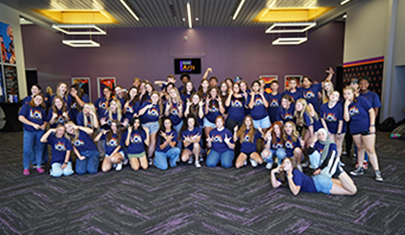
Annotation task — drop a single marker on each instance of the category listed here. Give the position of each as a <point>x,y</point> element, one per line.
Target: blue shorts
<point>122,153</point>
<point>263,123</point>
<point>152,126</point>
<point>323,184</point>
<point>208,123</point>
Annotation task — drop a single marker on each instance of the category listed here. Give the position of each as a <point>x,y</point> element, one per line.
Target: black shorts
<point>364,133</point>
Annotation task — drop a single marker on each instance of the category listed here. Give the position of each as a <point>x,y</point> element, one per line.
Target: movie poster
<point>11,83</point>
<point>267,80</point>
<point>105,82</point>
<point>7,44</point>
<point>84,84</point>
<point>288,77</point>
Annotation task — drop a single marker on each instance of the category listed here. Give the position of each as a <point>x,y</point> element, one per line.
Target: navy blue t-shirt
<point>36,115</point>
<point>136,141</point>
<point>213,111</point>
<point>74,107</point>
<point>59,148</point>
<point>332,116</point>
<point>80,120</point>
<point>295,96</point>
<point>84,142</point>
<point>290,145</point>
<point>274,103</point>
<point>277,145</point>
<point>59,120</point>
<point>373,98</point>
<point>174,112</point>
<point>192,134</point>
<point>130,110</point>
<point>359,116</point>
<point>151,115</point>
<point>258,111</point>
<point>218,142</point>
<point>248,146</point>
<point>162,140</point>
<point>286,115</point>
<point>311,94</point>
<point>305,182</point>
<point>113,143</point>
<point>101,105</point>
<point>237,109</point>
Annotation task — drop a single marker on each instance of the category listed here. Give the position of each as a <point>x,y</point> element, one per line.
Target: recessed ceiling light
<point>289,41</point>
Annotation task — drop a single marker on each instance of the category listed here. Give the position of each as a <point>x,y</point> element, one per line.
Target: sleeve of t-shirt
<point>143,135</point>
<point>123,137</point>
<point>297,177</point>
<point>317,87</point>
<point>258,135</point>
<point>85,98</point>
<point>79,119</point>
<point>307,120</point>
<point>376,101</point>
<point>96,103</point>
<point>339,112</point>
<point>24,110</point>
<point>69,146</point>
<point>365,103</point>
<point>298,142</point>
<point>49,115</point>
<point>51,139</point>
<point>279,110</point>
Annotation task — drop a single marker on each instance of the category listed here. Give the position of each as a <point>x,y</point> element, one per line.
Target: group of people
<point>229,124</point>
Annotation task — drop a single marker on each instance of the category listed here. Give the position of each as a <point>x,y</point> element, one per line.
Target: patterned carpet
<point>186,200</point>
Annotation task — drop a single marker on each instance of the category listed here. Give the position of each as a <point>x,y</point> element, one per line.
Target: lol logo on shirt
<point>112,142</point>
<point>174,111</point>
<point>78,143</point>
<point>102,105</point>
<point>153,112</point>
<point>236,103</point>
<point>246,139</point>
<point>73,106</point>
<point>309,94</point>
<point>217,139</point>
<point>36,114</point>
<point>136,138</point>
<point>288,116</point>
<point>289,144</point>
<point>213,110</point>
<point>258,101</point>
<point>277,145</point>
<point>61,119</point>
<point>274,103</point>
<point>330,117</point>
<point>130,109</point>
<point>60,147</point>
<point>353,111</point>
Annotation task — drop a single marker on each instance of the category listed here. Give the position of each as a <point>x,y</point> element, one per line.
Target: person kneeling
<point>167,146</point>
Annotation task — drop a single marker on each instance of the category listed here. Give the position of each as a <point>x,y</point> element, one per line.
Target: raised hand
<point>235,129</point>
<point>227,139</point>
<point>163,134</point>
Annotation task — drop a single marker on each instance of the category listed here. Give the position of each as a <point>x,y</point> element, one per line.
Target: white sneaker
<point>125,162</point>
<point>268,166</point>
<point>253,163</point>
<point>119,167</point>
<point>190,160</point>
<point>245,163</point>
<point>197,164</point>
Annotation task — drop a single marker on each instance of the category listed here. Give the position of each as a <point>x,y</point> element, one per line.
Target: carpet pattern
<point>186,200</point>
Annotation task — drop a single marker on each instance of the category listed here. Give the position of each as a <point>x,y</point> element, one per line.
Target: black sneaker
<point>358,171</point>
<point>378,176</point>
<point>150,161</point>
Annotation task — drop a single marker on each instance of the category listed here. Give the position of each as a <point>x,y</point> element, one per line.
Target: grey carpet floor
<point>186,200</point>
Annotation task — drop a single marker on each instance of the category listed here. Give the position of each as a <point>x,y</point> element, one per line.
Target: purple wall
<point>148,53</point>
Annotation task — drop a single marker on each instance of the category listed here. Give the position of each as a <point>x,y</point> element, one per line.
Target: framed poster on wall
<point>105,82</point>
<point>7,44</point>
<point>3,97</point>
<point>84,84</point>
<point>11,83</point>
<point>287,79</point>
<point>267,80</point>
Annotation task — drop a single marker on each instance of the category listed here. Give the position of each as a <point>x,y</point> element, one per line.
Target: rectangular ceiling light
<point>81,43</point>
<point>238,9</point>
<point>129,9</point>
<point>289,41</point>
<point>295,27</point>
<point>62,28</point>
<point>343,2</point>
<point>190,24</point>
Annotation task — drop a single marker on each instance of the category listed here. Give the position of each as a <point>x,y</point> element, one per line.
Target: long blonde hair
<point>119,111</point>
<point>294,134</point>
<point>76,132</point>
<point>92,108</point>
<point>325,94</point>
<point>299,115</point>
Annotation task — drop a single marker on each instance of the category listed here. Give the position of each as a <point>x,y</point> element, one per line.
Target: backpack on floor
<point>399,132</point>
<point>388,125</point>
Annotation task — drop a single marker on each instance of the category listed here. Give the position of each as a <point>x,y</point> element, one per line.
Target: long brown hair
<point>118,133</point>
<point>54,108</point>
<point>42,105</point>
<point>299,115</point>
<point>282,176</point>
<point>242,130</point>
<point>273,134</point>
<point>200,88</point>
<point>294,134</point>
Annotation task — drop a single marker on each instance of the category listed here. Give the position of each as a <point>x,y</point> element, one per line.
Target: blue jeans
<point>279,153</point>
<point>32,147</point>
<point>89,164</point>
<point>226,158</point>
<point>56,170</point>
<point>315,160</point>
<point>160,158</point>
<point>180,139</point>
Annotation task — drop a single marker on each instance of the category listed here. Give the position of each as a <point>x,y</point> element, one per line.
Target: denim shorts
<point>152,126</point>
<point>323,184</point>
<point>208,123</point>
<point>263,123</point>
<point>122,153</point>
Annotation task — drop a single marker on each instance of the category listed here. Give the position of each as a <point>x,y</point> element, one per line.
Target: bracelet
<point>372,125</point>
<point>339,133</point>
<point>290,177</point>
<point>65,163</point>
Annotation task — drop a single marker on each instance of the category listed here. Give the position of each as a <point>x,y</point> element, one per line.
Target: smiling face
<point>348,94</point>
<point>133,92</point>
<point>38,100</point>
<point>35,90</point>
<point>137,124</point>
<point>364,85</point>
<point>60,131</point>
<point>299,107</point>
<point>274,86</point>
<point>286,165</point>
<point>306,82</point>
<point>58,103</point>
<point>236,88</point>
<point>322,135</point>
<point>224,87</point>
<point>327,86</point>
<point>195,99</point>
<point>277,130</point>
<point>190,123</point>
<point>173,93</point>
<point>155,98</point>
<point>106,92</point>
<point>219,123</point>
<point>243,86</point>
<point>114,127</point>
<point>213,93</point>
<point>113,106</point>
<point>149,88</point>
<point>205,84</point>
<point>70,128</point>
<point>334,97</point>
<point>189,87</point>
<point>86,109</point>
<point>62,88</point>
<point>248,122</point>
<point>168,125</point>
<point>256,86</point>
<point>285,103</point>
<point>118,91</point>
<point>292,84</point>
